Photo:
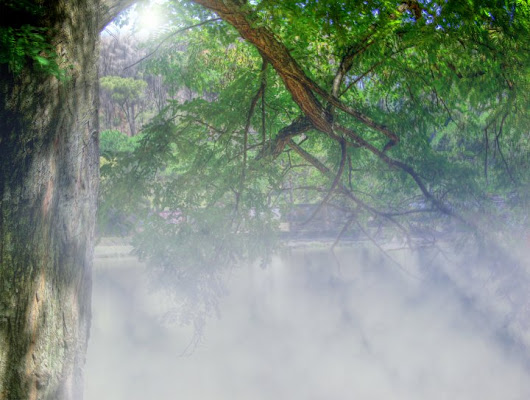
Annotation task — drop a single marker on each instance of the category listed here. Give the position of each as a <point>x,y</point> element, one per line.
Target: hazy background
<point>309,326</point>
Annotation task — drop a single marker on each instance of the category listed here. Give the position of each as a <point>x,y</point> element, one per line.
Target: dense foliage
<point>21,42</point>
<point>410,117</point>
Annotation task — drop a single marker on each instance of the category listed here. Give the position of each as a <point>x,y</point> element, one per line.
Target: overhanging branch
<point>110,9</point>
<point>169,37</point>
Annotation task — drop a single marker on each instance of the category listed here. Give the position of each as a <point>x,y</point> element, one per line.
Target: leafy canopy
<point>408,116</point>
<point>123,90</point>
<point>23,43</point>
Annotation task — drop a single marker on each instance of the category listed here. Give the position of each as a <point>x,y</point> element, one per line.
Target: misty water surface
<point>306,327</point>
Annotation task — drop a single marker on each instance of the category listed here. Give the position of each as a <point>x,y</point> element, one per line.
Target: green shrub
<point>114,142</point>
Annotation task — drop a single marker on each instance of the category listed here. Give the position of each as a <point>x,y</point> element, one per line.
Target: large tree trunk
<point>48,192</point>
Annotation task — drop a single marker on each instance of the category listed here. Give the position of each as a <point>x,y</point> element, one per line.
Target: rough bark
<point>302,89</point>
<point>48,191</point>
<point>277,54</point>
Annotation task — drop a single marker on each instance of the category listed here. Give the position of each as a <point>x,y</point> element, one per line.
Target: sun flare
<point>149,21</point>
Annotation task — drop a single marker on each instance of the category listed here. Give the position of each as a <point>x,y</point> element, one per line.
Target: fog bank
<point>309,326</point>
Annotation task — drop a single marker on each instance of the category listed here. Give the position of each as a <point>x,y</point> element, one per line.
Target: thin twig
<point>378,246</point>
<point>356,80</point>
<point>343,230</point>
<point>497,137</point>
<point>486,146</point>
<point>253,103</point>
<point>263,92</point>
<point>334,184</point>
<point>344,190</point>
<point>169,37</point>
<point>406,168</point>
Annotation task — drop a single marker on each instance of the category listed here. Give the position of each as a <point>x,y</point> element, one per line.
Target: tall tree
<point>128,94</point>
<point>48,190</point>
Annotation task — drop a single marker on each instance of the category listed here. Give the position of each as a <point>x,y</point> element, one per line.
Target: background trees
<point>131,94</point>
<point>127,93</point>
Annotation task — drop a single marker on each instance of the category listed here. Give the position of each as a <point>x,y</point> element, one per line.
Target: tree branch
<point>294,78</point>
<point>253,103</point>
<point>334,184</point>
<point>110,9</point>
<point>401,165</point>
<point>343,230</point>
<point>263,113</point>
<point>303,91</point>
<point>356,80</point>
<point>344,190</point>
<point>169,37</point>
<point>497,137</point>
<point>346,62</point>
<point>277,54</point>
<point>274,148</point>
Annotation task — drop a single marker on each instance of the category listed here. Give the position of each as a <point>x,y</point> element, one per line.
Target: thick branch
<point>278,55</point>
<point>296,81</point>
<point>275,147</point>
<point>110,10</point>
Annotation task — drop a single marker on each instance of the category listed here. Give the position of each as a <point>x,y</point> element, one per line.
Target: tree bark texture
<point>49,171</point>
<point>277,54</point>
